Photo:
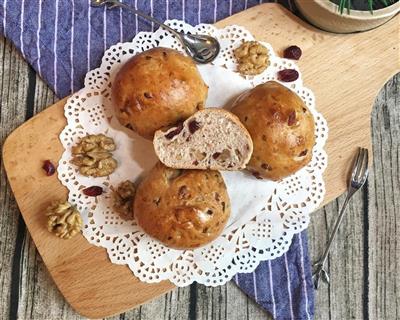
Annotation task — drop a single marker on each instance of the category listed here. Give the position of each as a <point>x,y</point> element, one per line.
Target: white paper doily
<point>265,214</point>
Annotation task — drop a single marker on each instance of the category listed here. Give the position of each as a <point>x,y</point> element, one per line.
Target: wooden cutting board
<point>344,71</point>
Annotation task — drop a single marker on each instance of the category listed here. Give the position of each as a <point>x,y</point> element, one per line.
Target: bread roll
<point>282,129</point>
<point>155,89</point>
<point>210,139</point>
<point>183,209</point>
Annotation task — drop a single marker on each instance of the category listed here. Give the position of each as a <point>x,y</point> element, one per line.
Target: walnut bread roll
<point>282,129</point>
<point>210,139</point>
<point>155,89</point>
<point>183,209</point>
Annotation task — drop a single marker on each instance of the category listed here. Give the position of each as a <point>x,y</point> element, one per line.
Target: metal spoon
<point>201,48</point>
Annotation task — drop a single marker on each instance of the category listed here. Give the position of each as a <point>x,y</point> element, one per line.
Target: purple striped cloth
<point>64,39</point>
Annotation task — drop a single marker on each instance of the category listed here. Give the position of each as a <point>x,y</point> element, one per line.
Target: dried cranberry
<point>183,193</point>
<point>205,230</point>
<point>93,191</point>
<point>292,118</point>
<point>193,126</point>
<point>174,132</point>
<point>266,166</point>
<point>129,126</point>
<point>292,52</point>
<point>216,155</point>
<point>49,167</point>
<point>288,75</point>
<point>303,153</point>
<point>257,175</point>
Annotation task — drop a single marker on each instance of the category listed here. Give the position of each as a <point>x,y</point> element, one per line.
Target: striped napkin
<point>64,39</point>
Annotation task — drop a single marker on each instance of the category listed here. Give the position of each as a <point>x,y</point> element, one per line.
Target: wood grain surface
<point>364,259</point>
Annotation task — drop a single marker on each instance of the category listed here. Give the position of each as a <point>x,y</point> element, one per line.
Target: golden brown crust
<point>184,209</point>
<point>156,89</point>
<point>282,129</point>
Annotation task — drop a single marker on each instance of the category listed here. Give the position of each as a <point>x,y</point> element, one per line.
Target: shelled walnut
<point>123,198</point>
<point>63,219</point>
<point>93,155</point>
<point>252,58</point>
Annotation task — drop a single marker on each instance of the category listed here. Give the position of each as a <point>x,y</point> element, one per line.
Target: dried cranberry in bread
<point>183,209</point>
<point>282,129</point>
<point>210,139</point>
<point>155,89</point>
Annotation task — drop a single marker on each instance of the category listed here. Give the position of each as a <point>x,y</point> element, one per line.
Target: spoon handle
<point>116,3</point>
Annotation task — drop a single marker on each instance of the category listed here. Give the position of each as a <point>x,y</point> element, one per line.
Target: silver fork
<point>358,177</point>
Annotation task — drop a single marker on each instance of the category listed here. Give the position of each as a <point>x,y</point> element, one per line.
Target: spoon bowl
<point>202,48</point>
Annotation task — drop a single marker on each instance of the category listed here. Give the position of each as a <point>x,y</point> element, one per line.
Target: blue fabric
<point>283,286</point>
<point>64,39</point>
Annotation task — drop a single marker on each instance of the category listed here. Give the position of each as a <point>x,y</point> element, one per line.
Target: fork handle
<point>336,227</point>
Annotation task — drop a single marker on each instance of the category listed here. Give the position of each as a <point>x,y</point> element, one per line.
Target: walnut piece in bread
<point>282,129</point>
<point>155,89</point>
<point>183,209</point>
<point>210,139</point>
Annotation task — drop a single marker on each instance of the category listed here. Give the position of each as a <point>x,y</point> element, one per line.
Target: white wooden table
<point>364,263</point>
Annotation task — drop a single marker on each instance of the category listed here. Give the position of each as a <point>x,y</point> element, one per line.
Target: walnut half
<point>252,58</point>
<point>63,220</point>
<point>123,198</point>
<point>93,156</point>
<point>94,143</point>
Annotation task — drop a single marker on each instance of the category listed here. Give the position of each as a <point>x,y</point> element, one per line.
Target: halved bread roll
<point>210,139</point>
